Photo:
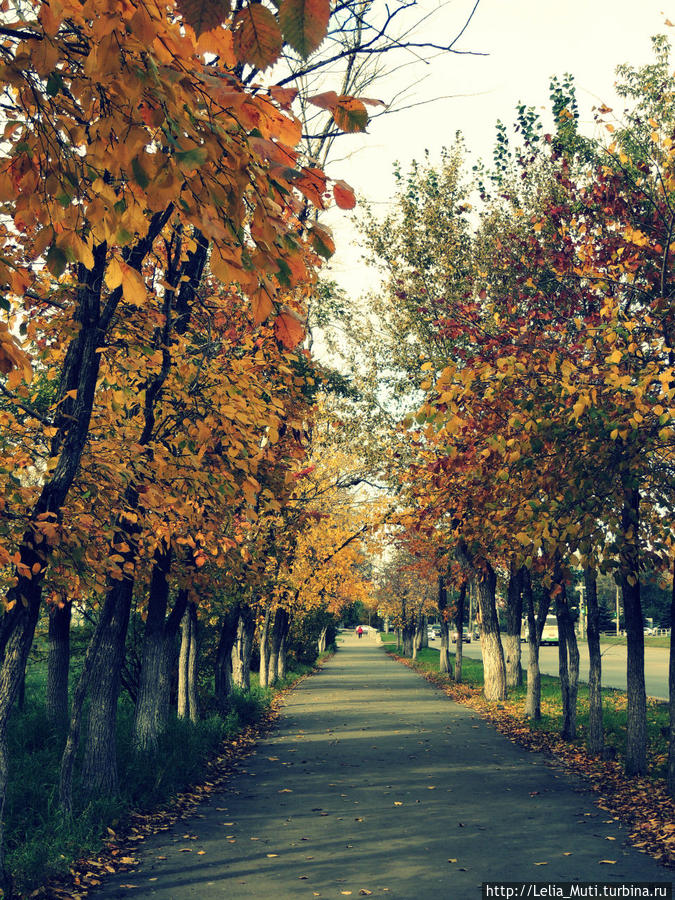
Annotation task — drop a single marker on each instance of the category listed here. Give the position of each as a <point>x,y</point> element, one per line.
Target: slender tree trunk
<point>595,729</point>
<point>99,768</point>
<point>636,714</point>
<point>283,652</point>
<point>264,678</point>
<point>568,656</point>
<point>279,625</point>
<point>223,668</point>
<point>424,635</point>
<point>321,643</point>
<point>192,664</point>
<point>243,647</point>
<point>671,693</point>
<point>150,713</point>
<point>58,664</point>
<point>514,622</point>
<point>533,698</point>
<point>494,669</point>
<point>459,627</point>
<point>444,656</point>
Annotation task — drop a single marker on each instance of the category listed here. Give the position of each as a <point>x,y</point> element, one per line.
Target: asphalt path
<point>375,783</point>
<point>613,664</point>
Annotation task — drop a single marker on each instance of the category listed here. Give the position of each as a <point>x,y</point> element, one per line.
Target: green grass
<point>38,846</point>
<point>650,640</point>
<point>614,707</point>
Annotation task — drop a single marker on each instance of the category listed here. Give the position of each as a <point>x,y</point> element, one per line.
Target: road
<point>613,664</point>
<point>376,783</point>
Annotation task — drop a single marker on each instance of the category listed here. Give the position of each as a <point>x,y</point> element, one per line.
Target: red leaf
<point>289,329</point>
<point>327,100</point>
<point>204,15</point>
<point>344,195</point>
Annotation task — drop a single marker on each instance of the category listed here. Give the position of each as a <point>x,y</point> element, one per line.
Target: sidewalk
<point>377,782</point>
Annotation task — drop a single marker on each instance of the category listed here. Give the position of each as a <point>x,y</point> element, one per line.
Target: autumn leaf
<point>350,115</point>
<point>304,24</point>
<point>257,38</point>
<point>204,15</point>
<point>289,329</point>
<point>344,195</point>
<point>283,96</point>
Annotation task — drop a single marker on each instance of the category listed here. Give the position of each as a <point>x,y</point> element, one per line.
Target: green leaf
<point>56,261</point>
<point>304,24</point>
<point>140,176</point>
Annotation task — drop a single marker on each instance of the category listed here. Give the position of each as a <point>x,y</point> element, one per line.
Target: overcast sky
<point>526,42</point>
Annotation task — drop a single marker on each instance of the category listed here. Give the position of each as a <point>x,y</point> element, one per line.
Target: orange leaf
<point>304,23</point>
<point>327,100</point>
<point>344,195</point>
<point>261,305</point>
<point>257,38</point>
<point>289,329</point>
<point>284,96</point>
<point>350,115</point>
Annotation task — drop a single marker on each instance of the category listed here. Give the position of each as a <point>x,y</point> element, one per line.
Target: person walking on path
<point>375,783</point>
<point>359,631</point>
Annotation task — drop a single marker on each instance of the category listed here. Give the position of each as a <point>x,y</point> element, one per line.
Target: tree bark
<point>283,652</point>
<point>58,665</point>
<point>321,643</point>
<point>424,635</point>
<point>99,767</point>
<point>264,671</point>
<point>494,669</point>
<point>459,627</point>
<point>514,622</point>
<point>183,657</point>
<point>279,624</point>
<point>243,647</point>
<point>193,664</point>
<point>223,668</point>
<point>568,656</point>
<point>636,713</point>
<point>444,657</point>
<point>533,698</point>
<point>595,729</point>
<point>151,708</point>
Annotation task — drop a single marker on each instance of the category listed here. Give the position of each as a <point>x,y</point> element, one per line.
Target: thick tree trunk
<point>670,775</point>
<point>636,713</point>
<point>282,667</point>
<point>193,664</point>
<point>568,656</point>
<point>99,768</point>
<point>264,673</point>
<point>408,637</point>
<point>459,627</point>
<point>243,647</point>
<point>444,656</point>
<point>58,665</point>
<point>223,667</point>
<point>151,710</point>
<point>595,729</point>
<point>514,622</point>
<point>494,670</point>
<point>533,698</point>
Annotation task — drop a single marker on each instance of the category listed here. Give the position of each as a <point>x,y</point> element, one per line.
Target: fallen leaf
<point>608,862</point>
<point>185,849</point>
<point>398,803</point>
<point>346,893</point>
<point>541,864</point>
<point>285,791</point>
<point>201,852</point>
<point>270,855</point>
<point>567,853</point>
<point>452,860</point>
<point>609,838</point>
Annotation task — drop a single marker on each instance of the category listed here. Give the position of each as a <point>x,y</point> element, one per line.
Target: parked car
<point>466,637</point>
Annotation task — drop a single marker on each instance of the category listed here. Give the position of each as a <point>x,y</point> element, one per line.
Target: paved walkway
<point>376,782</point>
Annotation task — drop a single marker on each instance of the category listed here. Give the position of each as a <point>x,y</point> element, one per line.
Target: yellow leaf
<point>133,286</point>
<point>608,862</point>
<point>113,274</point>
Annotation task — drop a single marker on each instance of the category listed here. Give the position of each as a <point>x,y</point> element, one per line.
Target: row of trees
<point>527,327</point>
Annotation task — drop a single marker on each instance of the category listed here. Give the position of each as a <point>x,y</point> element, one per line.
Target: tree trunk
<point>243,647</point>
<point>459,626</point>
<point>99,768</point>
<point>408,638</point>
<point>183,657</point>
<point>58,664</point>
<point>595,729</point>
<point>514,622</point>
<point>494,670</point>
<point>223,667</point>
<point>670,775</point>
<point>321,643</point>
<point>264,676</point>
<point>636,713</point>
<point>283,653</point>
<point>424,636</point>
<point>444,656</point>
<point>150,712</point>
<point>568,656</point>
<point>279,624</point>
<point>193,664</point>
<point>399,640</point>
<point>533,698</point>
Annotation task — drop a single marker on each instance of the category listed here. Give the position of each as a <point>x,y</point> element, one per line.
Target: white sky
<point>528,41</point>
